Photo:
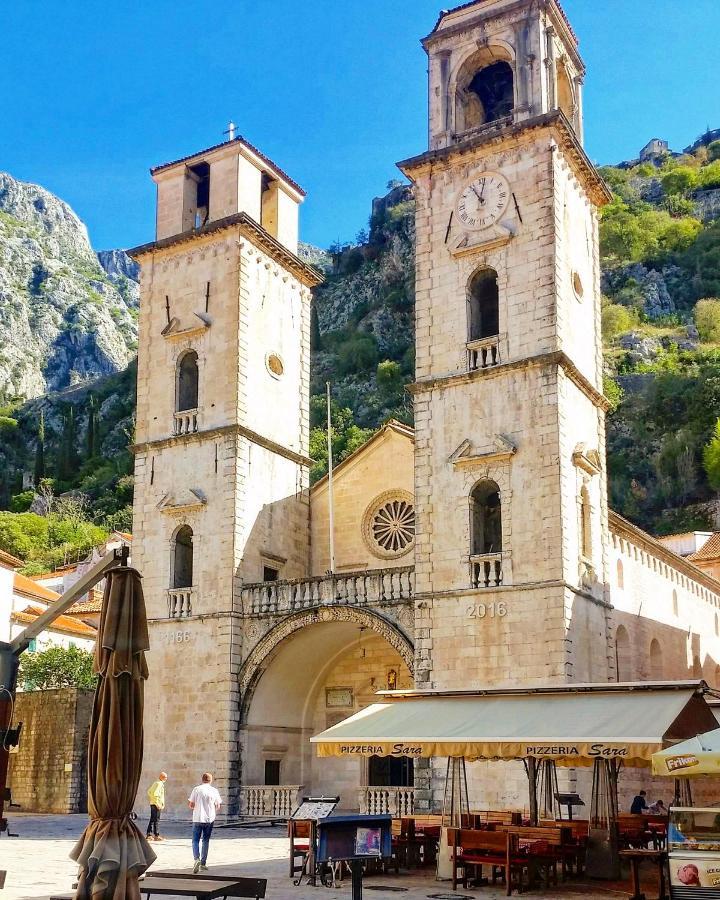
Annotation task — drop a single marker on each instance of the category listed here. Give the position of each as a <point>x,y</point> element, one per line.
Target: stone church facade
<point>476,549</point>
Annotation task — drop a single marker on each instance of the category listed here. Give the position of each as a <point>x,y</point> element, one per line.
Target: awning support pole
<point>531,771</point>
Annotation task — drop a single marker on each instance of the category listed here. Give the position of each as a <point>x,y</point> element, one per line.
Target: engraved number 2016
<point>490,610</point>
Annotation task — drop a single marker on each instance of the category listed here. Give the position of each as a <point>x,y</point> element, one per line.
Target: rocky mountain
<point>64,318</point>
<point>74,315</point>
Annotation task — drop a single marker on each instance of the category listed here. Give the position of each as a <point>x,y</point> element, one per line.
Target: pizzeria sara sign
<point>598,750</point>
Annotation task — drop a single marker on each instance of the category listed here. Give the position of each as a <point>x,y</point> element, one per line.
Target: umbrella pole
<point>531,771</point>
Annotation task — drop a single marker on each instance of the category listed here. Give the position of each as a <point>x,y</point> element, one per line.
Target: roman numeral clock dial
<point>484,201</point>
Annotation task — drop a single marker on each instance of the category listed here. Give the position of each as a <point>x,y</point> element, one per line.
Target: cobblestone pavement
<point>38,865</point>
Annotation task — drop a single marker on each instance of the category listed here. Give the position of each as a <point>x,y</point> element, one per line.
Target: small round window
<point>274,365</point>
<point>578,286</point>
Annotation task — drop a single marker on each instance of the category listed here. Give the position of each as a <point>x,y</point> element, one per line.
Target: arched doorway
<point>310,672</point>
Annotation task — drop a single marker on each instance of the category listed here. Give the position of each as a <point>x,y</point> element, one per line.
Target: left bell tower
<point>221,444</point>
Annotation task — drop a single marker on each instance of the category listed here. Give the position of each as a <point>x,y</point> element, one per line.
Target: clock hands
<point>479,196</point>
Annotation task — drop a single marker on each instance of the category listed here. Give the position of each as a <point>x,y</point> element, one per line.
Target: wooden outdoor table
<point>635,857</point>
<point>187,887</point>
<point>242,887</point>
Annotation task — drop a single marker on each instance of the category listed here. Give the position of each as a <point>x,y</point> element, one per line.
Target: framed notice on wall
<point>339,698</point>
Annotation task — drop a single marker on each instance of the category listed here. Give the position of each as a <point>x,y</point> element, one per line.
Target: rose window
<point>390,525</point>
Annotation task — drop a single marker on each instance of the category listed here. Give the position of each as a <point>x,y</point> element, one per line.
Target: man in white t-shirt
<point>204,801</point>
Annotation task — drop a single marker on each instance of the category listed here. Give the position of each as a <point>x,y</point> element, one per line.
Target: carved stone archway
<point>255,664</point>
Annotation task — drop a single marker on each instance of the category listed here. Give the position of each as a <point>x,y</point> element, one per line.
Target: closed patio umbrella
<point>112,851</point>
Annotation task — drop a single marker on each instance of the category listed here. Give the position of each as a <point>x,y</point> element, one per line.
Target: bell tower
<point>221,452</point>
<point>509,413</point>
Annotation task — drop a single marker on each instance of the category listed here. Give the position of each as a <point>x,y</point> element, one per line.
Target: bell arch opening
<point>483,305</point>
<point>186,394</point>
<point>305,679</point>
<point>485,89</point>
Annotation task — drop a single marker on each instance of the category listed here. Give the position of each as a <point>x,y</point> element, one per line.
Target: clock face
<point>484,201</point>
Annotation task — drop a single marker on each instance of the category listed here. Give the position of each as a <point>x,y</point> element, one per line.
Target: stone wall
<point>48,771</point>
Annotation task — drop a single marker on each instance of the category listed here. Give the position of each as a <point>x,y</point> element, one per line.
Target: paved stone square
<point>38,865</point>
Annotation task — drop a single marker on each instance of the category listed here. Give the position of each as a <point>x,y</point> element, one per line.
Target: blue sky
<point>95,93</point>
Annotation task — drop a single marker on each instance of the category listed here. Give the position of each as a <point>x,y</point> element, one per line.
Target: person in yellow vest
<point>156,796</point>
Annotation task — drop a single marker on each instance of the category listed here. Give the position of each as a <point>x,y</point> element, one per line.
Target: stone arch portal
<point>311,670</point>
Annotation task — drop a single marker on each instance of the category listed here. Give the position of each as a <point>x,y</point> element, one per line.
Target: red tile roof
<point>62,623</point>
<point>709,550</point>
<point>26,587</point>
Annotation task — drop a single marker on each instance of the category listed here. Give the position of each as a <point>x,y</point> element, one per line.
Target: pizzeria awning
<point>574,725</point>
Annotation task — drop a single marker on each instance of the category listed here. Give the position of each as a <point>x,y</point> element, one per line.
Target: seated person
<point>658,808</point>
<point>639,805</point>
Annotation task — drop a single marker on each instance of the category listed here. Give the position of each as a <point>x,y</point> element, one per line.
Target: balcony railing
<point>383,801</point>
<point>180,603</point>
<point>271,801</point>
<point>486,570</point>
<point>185,422</point>
<point>483,353</point>
<point>351,589</point>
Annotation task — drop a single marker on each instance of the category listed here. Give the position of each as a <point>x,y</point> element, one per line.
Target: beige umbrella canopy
<point>112,851</point>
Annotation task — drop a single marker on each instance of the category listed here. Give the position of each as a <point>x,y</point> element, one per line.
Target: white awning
<point>573,725</point>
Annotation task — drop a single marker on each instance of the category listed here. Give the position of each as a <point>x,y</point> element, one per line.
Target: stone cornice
<point>223,431</point>
<point>554,358</point>
<point>639,538</point>
<point>494,140</point>
<point>250,229</point>
<point>510,588</point>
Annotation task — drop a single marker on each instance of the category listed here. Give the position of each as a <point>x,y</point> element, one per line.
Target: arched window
<point>620,575</point>
<point>622,654</point>
<point>656,661</point>
<point>187,382</point>
<point>486,519</point>
<point>182,576</point>
<point>483,305</point>
<point>565,93</point>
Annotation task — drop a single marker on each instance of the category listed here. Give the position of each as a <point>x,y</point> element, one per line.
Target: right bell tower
<point>510,486</point>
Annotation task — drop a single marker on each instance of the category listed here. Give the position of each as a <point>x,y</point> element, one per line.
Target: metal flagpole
<point>331,507</point>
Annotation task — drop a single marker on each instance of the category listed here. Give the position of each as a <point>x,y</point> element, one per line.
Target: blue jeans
<point>201,830</point>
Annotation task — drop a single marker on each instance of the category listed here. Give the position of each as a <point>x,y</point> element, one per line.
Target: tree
<point>616,320</point>
<point>91,435</point>
<point>315,336</point>
<point>711,458</point>
<point>57,667</point>
<point>389,378</point>
<point>710,176</point>
<point>713,151</point>
<point>40,451</point>
<point>707,319</point>
<point>680,181</point>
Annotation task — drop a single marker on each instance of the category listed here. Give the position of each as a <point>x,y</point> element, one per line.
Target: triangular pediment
<point>182,500</point>
<point>501,448</point>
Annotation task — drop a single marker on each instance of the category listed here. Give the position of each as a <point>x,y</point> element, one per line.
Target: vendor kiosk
<point>694,852</point>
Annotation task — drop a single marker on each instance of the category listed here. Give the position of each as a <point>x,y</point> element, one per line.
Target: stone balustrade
<point>269,801</point>
<point>349,589</point>
<point>483,353</point>
<point>185,422</point>
<point>383,801</point>
<point>180,603</point>
<point>486,570</point>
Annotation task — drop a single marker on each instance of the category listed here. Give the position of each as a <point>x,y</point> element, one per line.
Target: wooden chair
<point>471,850</point>
<point>300,832</point>
<point>546,846</point>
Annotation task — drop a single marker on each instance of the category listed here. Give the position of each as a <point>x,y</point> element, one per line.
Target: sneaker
<point>149,837</point>
<point>159,837</point>
<point>203,867</point>
<point>196,867</point>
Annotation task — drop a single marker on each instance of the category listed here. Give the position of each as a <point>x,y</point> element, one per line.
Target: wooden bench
<point>547,846</point>
<point>471,850</point>
<point>496,817</point>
